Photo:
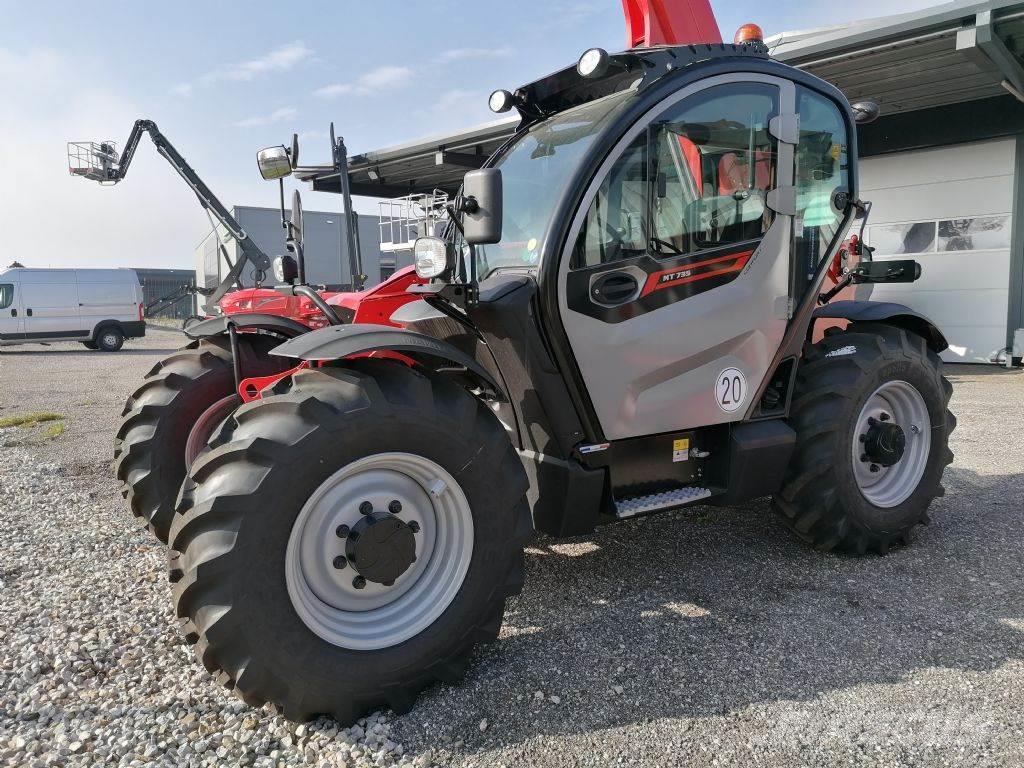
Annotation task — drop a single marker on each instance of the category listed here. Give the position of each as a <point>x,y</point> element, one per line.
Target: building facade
<point>167,292</point>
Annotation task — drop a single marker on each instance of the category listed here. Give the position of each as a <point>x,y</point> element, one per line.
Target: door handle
<point>14,313</point>
<point>614,288</point>
<point>29,312</point>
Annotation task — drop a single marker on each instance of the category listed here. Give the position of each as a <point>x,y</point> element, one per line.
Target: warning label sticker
<point>681,449</point>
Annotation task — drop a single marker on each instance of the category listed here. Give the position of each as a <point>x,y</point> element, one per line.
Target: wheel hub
<point>884,443</point>
<point>381,547</point>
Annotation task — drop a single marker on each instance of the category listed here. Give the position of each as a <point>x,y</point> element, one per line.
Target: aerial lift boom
<point>669,22</point>
<point>100,162</point>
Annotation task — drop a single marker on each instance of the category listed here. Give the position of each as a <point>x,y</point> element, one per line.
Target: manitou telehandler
<point>618,319</point>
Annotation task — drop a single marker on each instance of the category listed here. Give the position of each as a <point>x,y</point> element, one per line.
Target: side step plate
<point>656,501</point>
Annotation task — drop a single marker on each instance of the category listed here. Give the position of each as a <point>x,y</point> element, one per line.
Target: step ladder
<point>656,501</point>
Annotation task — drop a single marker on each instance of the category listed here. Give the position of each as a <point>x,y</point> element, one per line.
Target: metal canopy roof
<point>957,52</point>
<point>949,54</point>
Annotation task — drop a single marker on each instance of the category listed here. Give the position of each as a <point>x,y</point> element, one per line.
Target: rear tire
<point>834,498</point>
<point>109,339</point>
<point>233,575</point>
<point>159,417</point>
<point>90,344</point>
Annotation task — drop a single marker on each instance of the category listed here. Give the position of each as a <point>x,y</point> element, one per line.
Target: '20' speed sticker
<point>730,389</point>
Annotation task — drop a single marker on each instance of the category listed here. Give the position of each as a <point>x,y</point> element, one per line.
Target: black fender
<point>340,341</point>
<point>885,312</point>
<point>216,326</point>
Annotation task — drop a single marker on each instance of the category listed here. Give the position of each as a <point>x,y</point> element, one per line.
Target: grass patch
<point>29,419</point>
<point>54,430</point>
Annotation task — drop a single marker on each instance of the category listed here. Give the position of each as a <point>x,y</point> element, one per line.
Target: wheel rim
<point>896,405</point>
<point>200,433</point>
<point>325,596</point>
<point>109,340</point>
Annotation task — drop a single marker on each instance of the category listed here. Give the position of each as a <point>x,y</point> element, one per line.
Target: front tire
<point>871,415</point>
<point>167,420</point>
<point>260,576</point>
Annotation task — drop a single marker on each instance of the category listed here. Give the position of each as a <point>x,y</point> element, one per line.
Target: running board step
<point>656,501</point>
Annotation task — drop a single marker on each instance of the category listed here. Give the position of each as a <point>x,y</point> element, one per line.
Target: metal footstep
<point>674,498</point>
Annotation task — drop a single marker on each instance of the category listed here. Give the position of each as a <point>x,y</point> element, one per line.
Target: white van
<point>98,307</point>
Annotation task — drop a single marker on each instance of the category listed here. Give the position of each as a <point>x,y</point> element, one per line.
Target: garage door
<point>949,209</point>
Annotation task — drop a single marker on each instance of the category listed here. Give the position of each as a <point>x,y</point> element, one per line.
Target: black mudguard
<point>885,312</point>
<point>216,326</point>
<point>340,341</point>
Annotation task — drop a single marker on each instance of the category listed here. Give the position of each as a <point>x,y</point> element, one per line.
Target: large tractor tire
<point>871,415</point>
<point>166,421</point>
<point>349,539</point>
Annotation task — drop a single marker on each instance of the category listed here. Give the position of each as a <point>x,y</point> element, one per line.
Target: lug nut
<point>366,508</point>
<point>874,467</point>
<point>863,438</point>
<point>340,562</point>
<point>864,457</point>
<point>395,507</point>
<point>871,421</point>
<point>358,582</point>
<point>342,531</point>
<point>884,417</point>
<point>388,583</point>
<point>414,527</point>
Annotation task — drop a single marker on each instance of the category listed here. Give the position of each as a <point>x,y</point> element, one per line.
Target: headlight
<point>593,62</point>
<point>285,269</point>
<point>431,256</point>
<point>500,101</point>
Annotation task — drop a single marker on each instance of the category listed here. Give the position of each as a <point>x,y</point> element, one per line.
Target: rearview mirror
<point>274,163</point>
<point>296,220</point>
<point>865,112</point>
<point>895,271</point>
<point>294,155</point>
<point>481,206</point>
<point>285,270</point>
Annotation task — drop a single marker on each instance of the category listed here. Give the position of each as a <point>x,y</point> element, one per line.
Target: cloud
<point>182,89</point>
<point>463,54</point>
<point>280,59</point>
<point>382,78</point>
<point>281,115</point>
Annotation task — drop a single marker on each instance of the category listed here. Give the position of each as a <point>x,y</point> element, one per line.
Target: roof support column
<point>1015,305</point>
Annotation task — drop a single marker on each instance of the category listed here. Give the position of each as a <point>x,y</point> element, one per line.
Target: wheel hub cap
<point>885,443</point>
<point>381,547</point>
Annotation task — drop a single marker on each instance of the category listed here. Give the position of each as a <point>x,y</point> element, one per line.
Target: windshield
<point>534,173</point>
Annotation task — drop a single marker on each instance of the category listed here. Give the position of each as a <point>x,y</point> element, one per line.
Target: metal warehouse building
<point>323,230</point>
<point>165,292</point>
<point>943,166</point>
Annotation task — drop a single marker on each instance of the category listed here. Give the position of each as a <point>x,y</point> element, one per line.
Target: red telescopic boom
<point>669,22</point>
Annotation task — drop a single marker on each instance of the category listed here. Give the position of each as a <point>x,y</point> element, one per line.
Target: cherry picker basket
<point>96,161</point>
<point>403,219</point>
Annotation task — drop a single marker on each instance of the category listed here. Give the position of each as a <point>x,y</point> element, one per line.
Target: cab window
<point>822,169</point>
<point>6,295</point>
<point>697,178</point>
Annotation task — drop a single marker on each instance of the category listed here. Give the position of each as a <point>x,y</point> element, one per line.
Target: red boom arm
<point>669,22</point>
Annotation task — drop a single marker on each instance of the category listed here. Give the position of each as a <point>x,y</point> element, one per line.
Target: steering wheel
<point>672,249</point>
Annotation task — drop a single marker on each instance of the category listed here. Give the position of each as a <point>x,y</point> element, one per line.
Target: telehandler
<point>618,319</point>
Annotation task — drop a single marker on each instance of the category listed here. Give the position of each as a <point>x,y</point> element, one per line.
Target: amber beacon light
<point>749,33</point>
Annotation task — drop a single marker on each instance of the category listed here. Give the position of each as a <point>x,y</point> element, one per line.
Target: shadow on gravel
<point>709,612</point>
<point>78,352</point>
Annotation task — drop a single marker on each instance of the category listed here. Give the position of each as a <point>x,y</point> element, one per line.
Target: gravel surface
<point>704,638</point>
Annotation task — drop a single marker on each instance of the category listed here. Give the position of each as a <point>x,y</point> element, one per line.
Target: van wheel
<point>348,540</point>
<point>90,344</point>
<point>167,420</point>
<point>109,339</point>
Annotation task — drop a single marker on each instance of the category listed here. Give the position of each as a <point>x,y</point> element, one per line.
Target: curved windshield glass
<point>534,173</point>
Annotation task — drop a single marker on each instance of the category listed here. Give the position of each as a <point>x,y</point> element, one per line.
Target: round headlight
<point>593,63</point>
<point>500,101</point>
<point>430,257</point>
<point>278,266</point>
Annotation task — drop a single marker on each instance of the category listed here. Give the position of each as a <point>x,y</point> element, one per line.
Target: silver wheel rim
<point>900,403</point>
<point>200,433</point>
<point>378,616</point>
<point>110,340</point>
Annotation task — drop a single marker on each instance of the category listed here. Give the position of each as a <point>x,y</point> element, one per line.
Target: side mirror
<point>296,219</point>
<point>274,163</point>
<point>293,156</point>
<point>482,206</point>
<point>285,270</point>
<point>865,112</point>
<point>894,271</point>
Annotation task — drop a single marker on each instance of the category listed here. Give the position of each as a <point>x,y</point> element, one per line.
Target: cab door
<point>12,323</point>
<point>674,287</point>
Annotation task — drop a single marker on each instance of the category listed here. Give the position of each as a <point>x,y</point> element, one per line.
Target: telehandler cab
<point>619,320</point>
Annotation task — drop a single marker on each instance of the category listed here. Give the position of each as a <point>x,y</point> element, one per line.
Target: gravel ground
<point>704,638</point>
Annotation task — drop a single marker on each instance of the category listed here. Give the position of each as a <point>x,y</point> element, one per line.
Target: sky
<point>224,79</point>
